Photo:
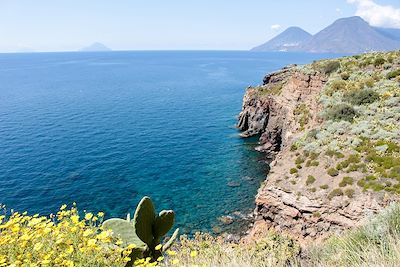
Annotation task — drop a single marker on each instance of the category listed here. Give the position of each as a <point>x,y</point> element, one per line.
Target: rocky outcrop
<point>274,111</point>
<point>272,115</point>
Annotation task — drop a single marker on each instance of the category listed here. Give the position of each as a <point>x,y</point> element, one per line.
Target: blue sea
<point>105,129</point>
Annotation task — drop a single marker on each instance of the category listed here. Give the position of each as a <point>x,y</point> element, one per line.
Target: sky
<point>69,25</point>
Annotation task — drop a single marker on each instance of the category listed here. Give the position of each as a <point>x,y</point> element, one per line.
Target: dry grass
<point>271,250</point>
<point>375,244</point>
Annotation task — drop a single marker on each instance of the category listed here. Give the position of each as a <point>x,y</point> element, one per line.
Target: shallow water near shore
<point>105,129</point>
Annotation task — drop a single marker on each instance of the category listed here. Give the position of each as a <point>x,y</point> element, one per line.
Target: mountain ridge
<point>289,40</point>
<point>345,35</point>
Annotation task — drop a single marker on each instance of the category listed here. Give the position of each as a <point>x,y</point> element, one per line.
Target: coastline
<point>298,196</point>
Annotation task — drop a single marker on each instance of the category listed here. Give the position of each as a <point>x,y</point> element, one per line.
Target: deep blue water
<point>104,129</point>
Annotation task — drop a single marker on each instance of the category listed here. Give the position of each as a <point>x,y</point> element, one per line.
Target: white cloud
<point>338,10</point>
<point>275,27</point>
<point>377,15</point>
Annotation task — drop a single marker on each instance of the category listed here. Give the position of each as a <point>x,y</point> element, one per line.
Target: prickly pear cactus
<point>124,230</point>
<point>146,230</point>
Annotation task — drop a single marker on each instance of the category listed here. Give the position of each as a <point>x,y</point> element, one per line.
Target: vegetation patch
<point>349,192</point>
<point>330,67</point>
<point>335,193</point>
<point>333,172</point>
<point>302,114</point>
<point>341,112</point>
<point>393,74</point>
<point>346,181</point>
<point>374,244</point>
<point>310,180</point>
<point>324,186</point>
<point>361,97</point>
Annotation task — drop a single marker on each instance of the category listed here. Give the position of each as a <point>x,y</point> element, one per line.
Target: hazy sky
<point>54,25</point>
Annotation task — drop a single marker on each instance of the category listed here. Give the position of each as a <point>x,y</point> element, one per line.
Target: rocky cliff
<point>321,126</point>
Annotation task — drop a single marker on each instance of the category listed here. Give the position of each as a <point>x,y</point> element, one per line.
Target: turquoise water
<point>105,129</point>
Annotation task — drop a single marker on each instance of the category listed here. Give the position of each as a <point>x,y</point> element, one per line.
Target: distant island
<point>96,47</point>
<point>346,35</point>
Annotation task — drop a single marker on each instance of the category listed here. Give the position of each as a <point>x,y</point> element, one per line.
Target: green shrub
<point>341,112</point>
<point>349,192</point>
<point>346,181</point>
<point>335,193</point>
<point>333,172</point>
<point>313,190</point>
<point>370,178</point>
<point>393,74</point>
<point>314,163</point>
<point>293,171</point>
<point>310,180</point>
<point>324,186</point>
<point>361,97</point>
<point>299,160</point>
<point>332,153</point>
<point>302,114</point>
<point>345,76</point>
<point>379,61</point>
<point>316,214</point>
<point>338,85</point>
<point>330,67</point>
<point>293,147</point>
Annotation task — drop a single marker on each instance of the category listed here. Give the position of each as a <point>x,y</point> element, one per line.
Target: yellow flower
<point>88,216</point>
<point>171,253</point>
<point>91,242</point>
<point>193,253</point>
<point>158,247</point>
<point>100,214</point>
<point>131,246</point>
<point>45,262</point>
<point>175,261</point>
<point>87,232</point>
<point>63,207</point>
<point>75,219</point>
<point>70,249</point>
<point>37,246</point>
<point>68,263</point>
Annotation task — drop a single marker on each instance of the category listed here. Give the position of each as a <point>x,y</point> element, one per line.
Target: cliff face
<point>316,185</point>
<point>271,114</point>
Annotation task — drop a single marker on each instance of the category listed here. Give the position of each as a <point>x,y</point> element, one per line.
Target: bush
<point>335,193</point>
<point>361,97</point>
<point>346,181</point>
<point>345,76</point>
<point>349,192</point>
<point>293,171</point>
<point>324,186</point>
<point>338,85</point>
<point>379,61</point>
<point>62,240</point>
<point>310,180</point>
<point>269,249</point>
<point>333,172</point>
<point>376,243</point>
<point>341,112</point>
<point>330,67</point>
<point>332,153</point>
<point>393,74</point>
<point>299,160</point>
